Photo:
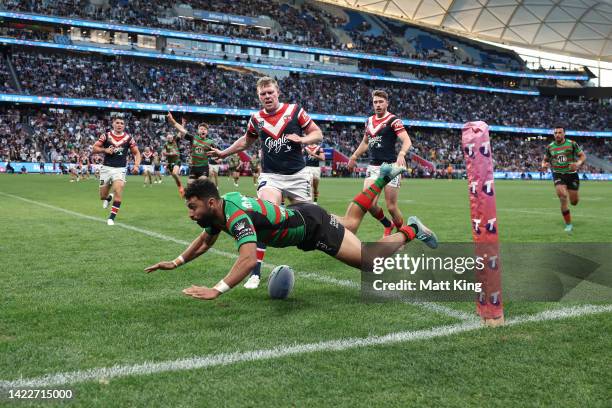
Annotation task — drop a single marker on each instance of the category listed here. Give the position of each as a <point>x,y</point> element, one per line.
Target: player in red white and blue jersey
<point>115,144</point>
<point>304,225</point>
<point>382,131</point>
<point>283,129</point>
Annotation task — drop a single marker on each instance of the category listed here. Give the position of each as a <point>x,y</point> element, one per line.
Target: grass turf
<point>75,297</point>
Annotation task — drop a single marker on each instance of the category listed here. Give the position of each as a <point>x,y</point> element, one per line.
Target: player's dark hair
<point>380,93</point>
<point>202,189</point>
<point>204,124</point>
<point>559,126</point>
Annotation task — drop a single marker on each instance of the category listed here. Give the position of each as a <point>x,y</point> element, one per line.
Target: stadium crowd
<point>304,24</point>
<point>54,134</point>
<point>119,79</point>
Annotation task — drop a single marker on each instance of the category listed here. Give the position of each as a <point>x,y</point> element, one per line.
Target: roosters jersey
<point>280,155</point>
<point>382,135</point>
<point>121,144</point>
<point>147,159</point>
<point>312,161</point>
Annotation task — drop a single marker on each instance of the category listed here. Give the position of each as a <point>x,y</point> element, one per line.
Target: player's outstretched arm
<point>239,145</point>
<point>181,129</point>
<point>201,244</point>
<point>247,259</point>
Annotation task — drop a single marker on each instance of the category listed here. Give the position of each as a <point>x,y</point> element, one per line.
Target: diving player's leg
<point>363,201</point>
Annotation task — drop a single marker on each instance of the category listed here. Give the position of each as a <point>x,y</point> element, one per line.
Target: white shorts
<point>316,172</point>
<point>96,167</point>
<point>213,168</point>
<point>72,166</point>
<point>372,172</point>
<point>293,186</point>
<point>108,175</point>
<point>147,167</point>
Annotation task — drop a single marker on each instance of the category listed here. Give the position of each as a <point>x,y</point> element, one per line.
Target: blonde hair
<point>265,81</point>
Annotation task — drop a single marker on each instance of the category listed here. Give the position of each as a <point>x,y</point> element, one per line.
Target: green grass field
<point>75,300</point>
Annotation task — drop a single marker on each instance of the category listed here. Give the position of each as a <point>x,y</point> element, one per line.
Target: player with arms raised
<point>283,128</point>
<point>115,145</point>
<point>565,157</point>
<point>382,131</point>
<point>200,146</point>
<point>304,225</point>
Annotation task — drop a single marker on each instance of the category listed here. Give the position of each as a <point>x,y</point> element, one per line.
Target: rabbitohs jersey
<point>382,135</point>
<point>249,219</point>
<point>280,155</point>
<point>121,144</point>
<point>561,155</point>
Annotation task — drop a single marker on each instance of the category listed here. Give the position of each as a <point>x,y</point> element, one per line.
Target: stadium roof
<point>580,28</point>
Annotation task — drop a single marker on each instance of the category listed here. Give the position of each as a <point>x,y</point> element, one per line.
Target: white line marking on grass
<point>434,307</point>
<point>215,360</point>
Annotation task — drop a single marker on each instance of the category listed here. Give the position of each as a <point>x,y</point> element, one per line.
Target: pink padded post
<point>479,166</point>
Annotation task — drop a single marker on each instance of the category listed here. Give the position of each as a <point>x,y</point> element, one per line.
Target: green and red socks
<point>366,198</point>
<point>567,217</point>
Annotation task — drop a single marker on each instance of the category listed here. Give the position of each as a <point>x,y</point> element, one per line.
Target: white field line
<point>215,360</point>
<point>434,307</point>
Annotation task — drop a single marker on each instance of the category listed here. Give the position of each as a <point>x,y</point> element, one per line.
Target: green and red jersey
<point>561,155</point>
<point>249,219</point>
<point>200,146</point>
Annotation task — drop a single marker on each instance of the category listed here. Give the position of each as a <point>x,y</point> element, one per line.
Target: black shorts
<point>195,172</point>
<point>323,231</point>
<point>571,180</point>
<point>156,167</point>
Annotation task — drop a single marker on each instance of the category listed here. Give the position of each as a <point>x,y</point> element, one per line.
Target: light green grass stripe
<point>224,359</point>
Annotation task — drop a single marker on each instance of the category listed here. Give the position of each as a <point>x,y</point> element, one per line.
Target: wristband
<point>179,261</point>
<point>222,286</point>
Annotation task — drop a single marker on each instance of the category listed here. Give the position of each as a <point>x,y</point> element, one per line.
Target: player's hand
<point>109,150</point>
<point>545,165</point>
<point>401,161</point>
<point>574,166</point>
<point>294,138</point>
<point>136,170</point>
<point>164,266</point>
<point>352,163</point>
<point>216,153</point>
<point>201,292</point>
<point>170,117</point>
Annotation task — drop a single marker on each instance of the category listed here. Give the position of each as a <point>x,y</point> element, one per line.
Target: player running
<point>74,164</point>
<point>255,165</point>
<point>314,155</point>
<point>115,145</point>
<point>200,146</point>
<point>234,166</point>
<point>172,155</point>
<point>147,166</point>
<point>157,168</point>
<point>381,132</point>
<point>304,225</point>
<point>85,165</point>
<point>565,157</point>
<point>283,129</point>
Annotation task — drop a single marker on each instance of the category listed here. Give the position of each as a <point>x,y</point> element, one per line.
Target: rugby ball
<point>280,282</point>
